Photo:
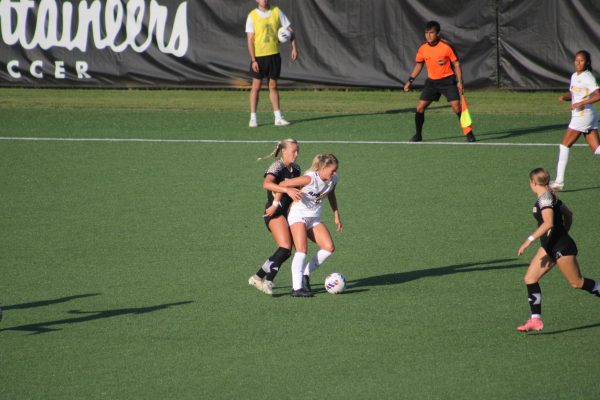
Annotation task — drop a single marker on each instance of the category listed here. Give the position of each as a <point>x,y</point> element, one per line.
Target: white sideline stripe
<point>58,139</point>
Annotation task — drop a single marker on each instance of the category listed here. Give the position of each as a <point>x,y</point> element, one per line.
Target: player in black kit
<point>557,248</point>
<point>279,200</point>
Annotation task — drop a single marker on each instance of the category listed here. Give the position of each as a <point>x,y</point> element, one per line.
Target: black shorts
<point>280,211</point>
<point>268,67</point>
<point>563,245</point>
<point>434,88</point>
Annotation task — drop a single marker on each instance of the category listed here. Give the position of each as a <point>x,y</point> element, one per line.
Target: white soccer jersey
<point>283,20</point>
<point>582,87</point>
<point>311,204</point>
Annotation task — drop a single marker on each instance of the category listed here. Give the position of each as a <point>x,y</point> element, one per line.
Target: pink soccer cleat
<point>532,324</point>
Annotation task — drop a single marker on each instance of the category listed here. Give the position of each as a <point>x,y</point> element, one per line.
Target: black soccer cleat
<point>301,293</point>
<point>416,138</point>
<point>471,137</point>
<point>306,283</point>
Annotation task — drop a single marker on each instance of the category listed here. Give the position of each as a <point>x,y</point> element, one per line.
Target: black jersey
<point>279,170</point>
<point>557,241</point>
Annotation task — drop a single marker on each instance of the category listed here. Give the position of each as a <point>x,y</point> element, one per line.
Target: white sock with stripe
<point>318,259</point>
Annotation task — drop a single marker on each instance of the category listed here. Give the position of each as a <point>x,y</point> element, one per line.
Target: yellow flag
<point>465,116</point>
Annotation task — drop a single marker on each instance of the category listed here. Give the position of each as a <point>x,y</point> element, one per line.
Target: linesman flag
<point>465,116</point>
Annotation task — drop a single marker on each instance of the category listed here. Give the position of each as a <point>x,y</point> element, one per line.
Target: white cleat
<point>253,123</point>
<point>556,186</point>
<point>281,122</point>
<point>256,282</point>
<point>267,287</point>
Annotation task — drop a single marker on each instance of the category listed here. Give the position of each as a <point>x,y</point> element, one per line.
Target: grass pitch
<point>124,264</point>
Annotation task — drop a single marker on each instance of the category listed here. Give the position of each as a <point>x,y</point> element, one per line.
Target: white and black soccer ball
<point>335,283</point>
<point>284,35</point>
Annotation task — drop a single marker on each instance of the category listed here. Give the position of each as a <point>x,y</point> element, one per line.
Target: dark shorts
<point>434,88</point>
<point>268,67</point>
<point>280,212</point>
<point>564,245</point>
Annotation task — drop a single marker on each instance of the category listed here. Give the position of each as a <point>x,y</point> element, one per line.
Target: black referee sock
<point>278,258</point>
<point>419,121</point>
<point>589,285</point>
<point>534,293</point>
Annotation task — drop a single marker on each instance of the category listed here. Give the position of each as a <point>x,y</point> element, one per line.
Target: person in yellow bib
<point>262,25</point>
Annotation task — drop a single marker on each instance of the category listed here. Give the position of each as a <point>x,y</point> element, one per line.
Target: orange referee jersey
<point>437,58</point>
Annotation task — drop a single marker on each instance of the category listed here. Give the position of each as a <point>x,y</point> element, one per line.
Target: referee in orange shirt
<point>444,76</point>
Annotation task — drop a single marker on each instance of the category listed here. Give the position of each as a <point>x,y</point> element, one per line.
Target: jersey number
<point>270,33</point>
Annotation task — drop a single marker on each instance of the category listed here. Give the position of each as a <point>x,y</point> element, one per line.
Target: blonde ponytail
<point>282,144</point>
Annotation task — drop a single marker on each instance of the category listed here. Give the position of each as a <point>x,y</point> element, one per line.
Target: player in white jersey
<point>305,219</point>
<point>584,92</point>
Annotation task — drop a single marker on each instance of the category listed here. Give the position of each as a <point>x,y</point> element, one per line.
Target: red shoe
<point>532,324</point>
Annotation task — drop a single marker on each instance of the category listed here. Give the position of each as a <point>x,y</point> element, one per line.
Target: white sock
<point>597,152</point>
<point>297,263</point>
<point>536,316</point>
<point>318,259</point>
<point>252,116</point>
<point>277,114</point>
<point>563,159</point>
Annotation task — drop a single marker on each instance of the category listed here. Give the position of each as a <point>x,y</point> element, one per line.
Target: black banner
<point>523,44</point>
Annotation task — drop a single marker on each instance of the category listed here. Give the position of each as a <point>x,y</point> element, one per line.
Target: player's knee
<point>329,247</point>
<point>576,283</point>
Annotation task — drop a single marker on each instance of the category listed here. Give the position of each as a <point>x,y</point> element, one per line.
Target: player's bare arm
<point>300,181</point>
<point>459,77</point>
<point>593,99</point>
<point>336,212</point>
<point>548,218</point>
<point>250,36</point>
<point>413,75</point>
<point>293,42</point>
<point>270,185</point>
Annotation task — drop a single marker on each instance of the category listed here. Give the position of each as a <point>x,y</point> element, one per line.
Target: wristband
<point>411,79</point>
<point>276,203</point>
<point>530,238</point>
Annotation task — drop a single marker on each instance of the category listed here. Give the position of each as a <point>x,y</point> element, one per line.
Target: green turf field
<point>124,264</point>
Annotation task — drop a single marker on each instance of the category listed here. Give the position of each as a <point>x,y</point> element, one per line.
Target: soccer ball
<point>284,35</point>
<point>335,283</point>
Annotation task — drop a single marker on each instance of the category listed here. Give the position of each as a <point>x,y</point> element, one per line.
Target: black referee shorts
<point>268,67</point>
<point>434,88</point>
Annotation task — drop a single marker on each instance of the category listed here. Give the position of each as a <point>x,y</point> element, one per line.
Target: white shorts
<point>310,222</point>
<point>584,123</point>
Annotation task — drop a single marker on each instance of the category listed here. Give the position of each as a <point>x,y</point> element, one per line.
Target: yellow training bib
<point>265,33</point>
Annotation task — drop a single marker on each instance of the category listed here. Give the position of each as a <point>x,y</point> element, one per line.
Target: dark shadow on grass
<point>43,303</point>
<point>343,115</point>
<point>86,316</point>
<point>513,133</point>
<point>578,328</point>
<point>581,189</point>
<point>403,277</point>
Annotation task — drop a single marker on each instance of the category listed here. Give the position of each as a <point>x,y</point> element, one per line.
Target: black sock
<point>589,285</point>
<point>419,121</point>
<point>534,293</point>
<point>278,258</point>
<point>261,273</point>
